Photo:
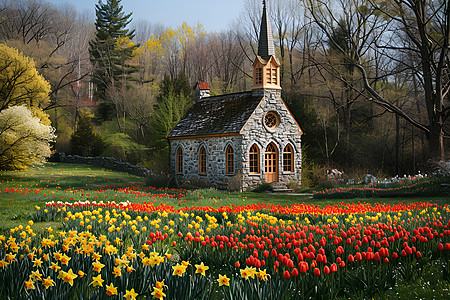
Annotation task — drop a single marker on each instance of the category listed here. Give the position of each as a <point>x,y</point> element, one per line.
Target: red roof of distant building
<point>203,85</point>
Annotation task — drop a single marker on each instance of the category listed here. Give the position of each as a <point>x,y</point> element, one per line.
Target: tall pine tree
<point>109,51</point>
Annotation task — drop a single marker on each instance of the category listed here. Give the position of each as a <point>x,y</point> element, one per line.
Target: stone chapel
<point>250,134</point>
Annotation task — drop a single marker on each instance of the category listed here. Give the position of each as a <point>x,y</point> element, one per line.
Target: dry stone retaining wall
<point>109,163</point>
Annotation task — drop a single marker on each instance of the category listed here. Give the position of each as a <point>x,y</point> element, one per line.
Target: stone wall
<point>287,132</point>
<point>110,163</point>
<point>215,147</point>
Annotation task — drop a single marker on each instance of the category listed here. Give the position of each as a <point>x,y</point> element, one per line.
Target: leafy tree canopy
<point>21,84</point>
<point>24,140</point>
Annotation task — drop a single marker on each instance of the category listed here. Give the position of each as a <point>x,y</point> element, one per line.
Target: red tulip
<point>316,272</point>
<point>333,268</point>
<point>237,264</point>
<point>303,266</point>
<point>440,247</point>
<point>351,258</point>
<point>326,270</point>
<point>294,272</point>
<point>286,275</point>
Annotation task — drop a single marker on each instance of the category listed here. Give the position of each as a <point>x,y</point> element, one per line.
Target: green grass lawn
<point>58,181</point>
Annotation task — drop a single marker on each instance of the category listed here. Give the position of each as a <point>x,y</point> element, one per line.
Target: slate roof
<point>223,114</point>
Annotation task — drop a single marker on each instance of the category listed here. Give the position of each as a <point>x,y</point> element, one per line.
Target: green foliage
<point>172,104</point>
<point>178,85</point>
<point>122,147</point>
<point>85,141</point>
<point>312,173</point>
<point>263,187</point>
<point>110,50</point>
<point>301,106</point>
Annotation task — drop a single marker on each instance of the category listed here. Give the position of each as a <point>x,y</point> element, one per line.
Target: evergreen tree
<point>85,141</point>
<point>178,85</point>
<point>172,104</point>
<point>109,51</point>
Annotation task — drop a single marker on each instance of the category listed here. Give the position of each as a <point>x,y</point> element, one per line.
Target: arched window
<point>230,160</point>
<point>288,161</point>
<point>202,161</point>
<point>254,159</point>
<point>179,160</point>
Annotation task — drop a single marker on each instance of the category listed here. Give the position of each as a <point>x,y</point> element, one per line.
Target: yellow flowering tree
<point>21,84</point>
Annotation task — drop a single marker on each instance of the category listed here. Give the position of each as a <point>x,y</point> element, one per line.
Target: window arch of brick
<point>202,161</point>
<point>288,159</point>
<point>179,160</point>
<point>230,160</point>
<point>254,159</point>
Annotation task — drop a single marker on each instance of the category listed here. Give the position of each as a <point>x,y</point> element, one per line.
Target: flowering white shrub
<point>24,140</point>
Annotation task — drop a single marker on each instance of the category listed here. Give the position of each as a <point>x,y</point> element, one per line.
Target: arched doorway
<point>271,163</point>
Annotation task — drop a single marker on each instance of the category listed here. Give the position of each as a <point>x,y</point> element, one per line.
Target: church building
<point>248,136</point>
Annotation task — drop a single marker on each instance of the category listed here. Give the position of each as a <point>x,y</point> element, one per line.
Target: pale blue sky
<point>214,15</point>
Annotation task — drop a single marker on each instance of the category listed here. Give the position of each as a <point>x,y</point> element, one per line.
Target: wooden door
<point>271,163</point>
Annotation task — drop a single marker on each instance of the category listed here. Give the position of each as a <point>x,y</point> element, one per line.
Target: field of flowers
<point>83,233</point>
<point>413,186</point>
<point>109,250</point>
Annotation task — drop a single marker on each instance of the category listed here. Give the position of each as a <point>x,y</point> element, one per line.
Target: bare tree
<point>427,25</point>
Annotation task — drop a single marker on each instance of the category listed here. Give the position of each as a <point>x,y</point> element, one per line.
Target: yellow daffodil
<point>158,293</point>
<point>48,282</point>
<point>160,284</point>
<point>179,270</point>
<point>185,263</point>
<point>35,275</point>
<point>246,273</point>
<point>201,269</point>
<point>37,263</point>
<point>55,267</point>
<point>223,280</point>
<point>11,257</point>
<point>97,281</point>
<point>111,290</point>
<point>30,285</point>
<point>69,277</point>
<point>262,275</point>
<point>97,266</point>
<point>117,271</point>
<point>65,259</point>
<point>129,295</point>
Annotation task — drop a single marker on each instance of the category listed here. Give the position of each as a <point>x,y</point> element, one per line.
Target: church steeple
<point>266,73</point>
<point>265,43</point>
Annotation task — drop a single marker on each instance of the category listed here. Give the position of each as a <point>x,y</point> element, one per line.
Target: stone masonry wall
<point>109,163</point>
<point>215,160</point>
<point>287,132</point>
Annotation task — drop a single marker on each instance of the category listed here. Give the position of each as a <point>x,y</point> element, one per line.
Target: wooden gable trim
<point>203,136</point>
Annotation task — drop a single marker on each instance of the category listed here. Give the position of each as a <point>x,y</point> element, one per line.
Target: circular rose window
<point>271,120</point>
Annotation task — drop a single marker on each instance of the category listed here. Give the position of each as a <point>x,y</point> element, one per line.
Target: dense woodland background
<point>367,80</point>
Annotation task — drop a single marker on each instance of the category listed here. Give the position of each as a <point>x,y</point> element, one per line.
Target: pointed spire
<point>265,43</point>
